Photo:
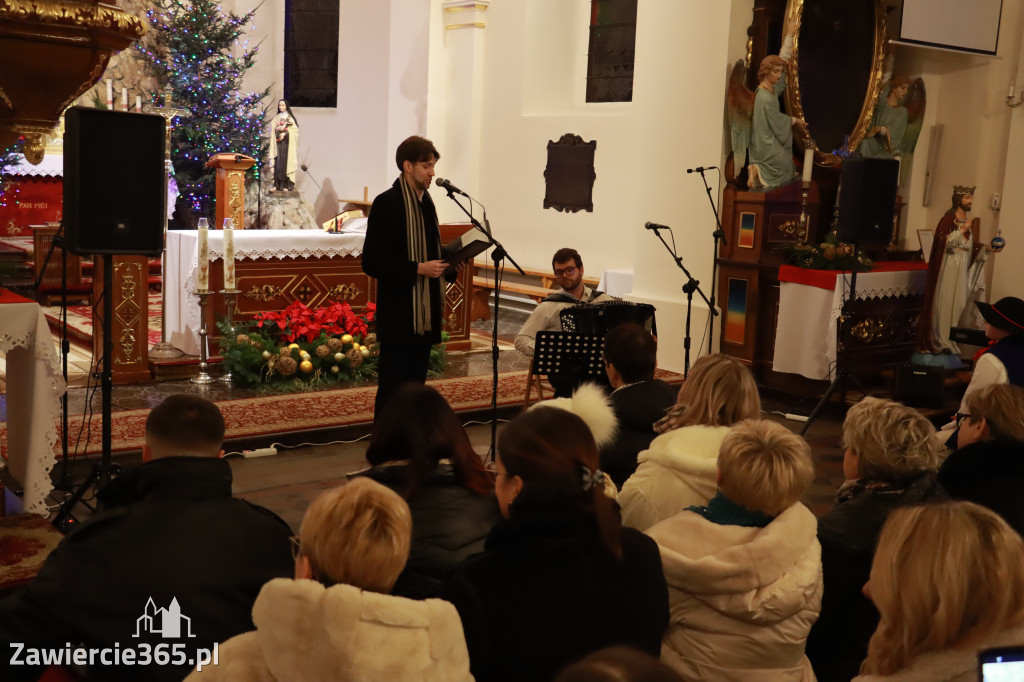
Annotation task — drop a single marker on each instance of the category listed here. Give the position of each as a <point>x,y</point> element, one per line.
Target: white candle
<point>808,163</point>
<point>1011,89</point>
<point>229,255</point>
<point>110,94</point>
<point>138,103</point>
<point>124,99</point>
<point>203,278</point>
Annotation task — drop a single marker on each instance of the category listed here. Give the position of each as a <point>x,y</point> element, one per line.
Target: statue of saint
<point>284,146</point>
<point>957,257</point>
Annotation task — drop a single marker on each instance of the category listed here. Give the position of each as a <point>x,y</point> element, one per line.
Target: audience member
<point>745,570</point>
<point>890,462</point>
<point>988,468</point>
<point>335,620</point>
<point>169,533</point>
<point>948,580</point>
<point>420,450</point>
<point>639,400</point>
<point>559,577</point>
<point>619,664</point>
<point>680,468</point>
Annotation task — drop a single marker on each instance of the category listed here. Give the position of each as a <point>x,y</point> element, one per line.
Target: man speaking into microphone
<point>402,252</point>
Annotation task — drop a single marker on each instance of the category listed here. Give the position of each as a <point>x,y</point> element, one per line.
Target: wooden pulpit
<point>230,187</point>
<point>130,324</point>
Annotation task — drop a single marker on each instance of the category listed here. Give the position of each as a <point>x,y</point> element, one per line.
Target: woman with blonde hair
<point>680,467</point>
<point>948,581</point>
<point>890,462</point>
<point>336,620</point>
<point>988,467</point>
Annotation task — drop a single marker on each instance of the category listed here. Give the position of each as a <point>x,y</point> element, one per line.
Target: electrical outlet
<point>997,201</point>
<point>260,452</point>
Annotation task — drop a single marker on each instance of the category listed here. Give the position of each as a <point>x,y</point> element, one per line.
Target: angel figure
<point>896,122</point>
<point>284,146</point>
<point>759,128</point>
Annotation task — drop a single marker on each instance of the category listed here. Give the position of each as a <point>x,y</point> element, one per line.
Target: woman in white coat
<point>680,467</point>
<point>744,571</point>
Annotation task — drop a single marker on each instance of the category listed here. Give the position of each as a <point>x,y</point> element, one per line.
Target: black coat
<point>171,530</point>
<point>449,524</point>
<point>636,407</point>
<point>545,593</point>
<point>386,258</point>
<point>848,533</point>
<point>989,473</point>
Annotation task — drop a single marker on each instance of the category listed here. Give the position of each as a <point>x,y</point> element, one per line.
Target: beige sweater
<point>306,632</point>
<point>741,600</point>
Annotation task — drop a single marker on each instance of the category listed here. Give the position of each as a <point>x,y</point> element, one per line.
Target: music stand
<point>571,355</point>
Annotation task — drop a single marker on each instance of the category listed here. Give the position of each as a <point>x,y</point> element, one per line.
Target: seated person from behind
<point>168,530</point>
<point>639,400</point>
<point>744,571</point>
<point>568,269</point>
<point>336,620</point>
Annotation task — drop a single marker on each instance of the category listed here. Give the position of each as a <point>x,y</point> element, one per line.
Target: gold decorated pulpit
<point>129,292</point>
<point>231,170</point>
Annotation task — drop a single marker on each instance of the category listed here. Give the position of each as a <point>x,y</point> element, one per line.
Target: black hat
<point>1006,314</point>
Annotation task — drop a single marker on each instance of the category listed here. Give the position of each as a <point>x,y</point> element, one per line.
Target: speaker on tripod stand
<point>114,203</point>
<point>866,204</point>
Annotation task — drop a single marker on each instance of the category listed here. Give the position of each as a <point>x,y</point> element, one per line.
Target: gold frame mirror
<point>826,64</point>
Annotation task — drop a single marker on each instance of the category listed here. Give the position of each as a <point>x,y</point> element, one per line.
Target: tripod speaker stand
<point>868,190</point>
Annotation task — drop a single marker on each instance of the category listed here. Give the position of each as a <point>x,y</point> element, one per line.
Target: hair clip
<point>592,479</point>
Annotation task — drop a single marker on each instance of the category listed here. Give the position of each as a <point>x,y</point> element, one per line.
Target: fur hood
<point>687,450</point>
<point>305,631</point>
<point>589,403</point>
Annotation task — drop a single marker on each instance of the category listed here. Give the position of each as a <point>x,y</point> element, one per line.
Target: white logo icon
<point>165,622</point>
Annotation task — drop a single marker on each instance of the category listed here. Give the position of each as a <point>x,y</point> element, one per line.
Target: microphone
<point>700,169</point>
<point>441,182</point>
<point>304,167</point>
<point>656,226</point>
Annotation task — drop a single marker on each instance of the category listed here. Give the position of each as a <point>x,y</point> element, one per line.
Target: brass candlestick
<point>230,296</point>
<point>204,376</point>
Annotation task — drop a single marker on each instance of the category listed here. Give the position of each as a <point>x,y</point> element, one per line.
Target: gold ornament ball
<point>338,357</point>
<point>242,338</point>
<point>335,369</point>
<point>306,366</point>
<point>365,352</point>
<point>346,338</point>
<point>304,355</point>
<point>293,346</point>
<point>266,355</point>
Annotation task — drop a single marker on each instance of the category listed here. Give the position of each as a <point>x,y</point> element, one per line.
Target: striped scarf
<point>416,239</point>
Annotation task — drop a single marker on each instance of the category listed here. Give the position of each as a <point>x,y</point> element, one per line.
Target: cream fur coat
<point>741,600</point>
<point>306,632</point>
<point>679,470</point>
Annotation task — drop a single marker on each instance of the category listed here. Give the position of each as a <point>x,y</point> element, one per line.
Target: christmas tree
<point>191,49</point>
<point>9,158</point>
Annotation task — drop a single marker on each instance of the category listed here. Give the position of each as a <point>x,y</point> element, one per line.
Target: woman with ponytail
<point>560,577</point>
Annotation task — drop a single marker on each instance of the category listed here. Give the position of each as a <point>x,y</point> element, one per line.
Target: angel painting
<point>759,128</point>
<point>897,120</point>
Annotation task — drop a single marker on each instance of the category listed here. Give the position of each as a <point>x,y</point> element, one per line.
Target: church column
<point>464,22</point>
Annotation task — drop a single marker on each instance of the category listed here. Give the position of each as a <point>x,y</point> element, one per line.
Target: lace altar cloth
<point>182,314</point>
<point>34,389</point>
<point>805,334</point>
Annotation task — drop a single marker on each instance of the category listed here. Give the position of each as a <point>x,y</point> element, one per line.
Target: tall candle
<point>138,103</point>
<point>110,94</point>
<point>808,163</point>
<point>124,99</point>
<point>229,255</point>
<point>203,278</point>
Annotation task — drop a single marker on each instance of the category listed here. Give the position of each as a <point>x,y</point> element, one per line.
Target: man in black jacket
<point>170,564</point>
<point>402,252</point>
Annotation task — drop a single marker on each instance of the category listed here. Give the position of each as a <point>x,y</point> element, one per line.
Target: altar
<point>277,267</point>
<point>808,337</point>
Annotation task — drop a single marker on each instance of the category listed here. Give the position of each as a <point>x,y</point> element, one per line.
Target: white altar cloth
<point>805,334</point>
<point>34,389</point>
<point>182,314</point>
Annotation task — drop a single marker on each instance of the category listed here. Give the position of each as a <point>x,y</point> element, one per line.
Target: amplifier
<point>919,386</point>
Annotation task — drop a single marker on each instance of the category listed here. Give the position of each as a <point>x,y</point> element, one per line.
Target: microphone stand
<point>717,234</point>
<point>497,255</point>
<point>305,169</point>
<point>688,288</point>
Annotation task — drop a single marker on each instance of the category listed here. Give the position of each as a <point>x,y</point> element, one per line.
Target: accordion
<point>599,318</point>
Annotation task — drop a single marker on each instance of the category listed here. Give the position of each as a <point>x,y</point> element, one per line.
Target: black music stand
<point>573,356</point>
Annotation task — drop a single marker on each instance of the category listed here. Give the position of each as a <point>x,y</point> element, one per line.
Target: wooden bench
<point>546,277</point>
<point>483,286</point>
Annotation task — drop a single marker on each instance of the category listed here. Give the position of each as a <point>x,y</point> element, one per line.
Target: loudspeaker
<point>919,386</point>
<point>867,200</point>
<point>114,199</point>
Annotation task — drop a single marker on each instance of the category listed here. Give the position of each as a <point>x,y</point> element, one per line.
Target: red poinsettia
<point>298,320</point>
